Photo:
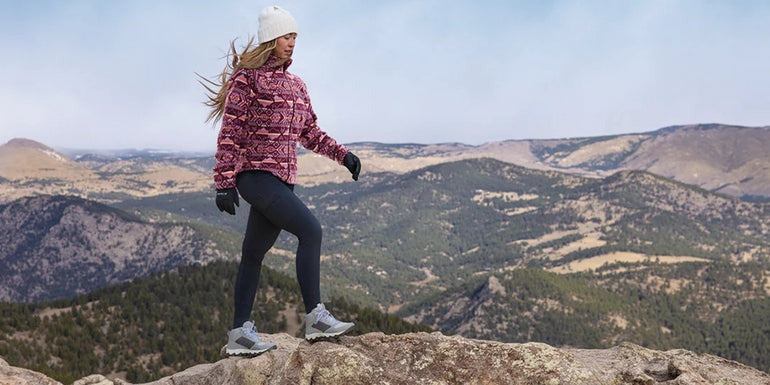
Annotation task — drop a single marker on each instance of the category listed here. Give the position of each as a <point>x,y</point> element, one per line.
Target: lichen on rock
<point>436,359</point>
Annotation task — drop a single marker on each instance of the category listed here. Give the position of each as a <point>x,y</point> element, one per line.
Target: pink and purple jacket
<point>267,111</point>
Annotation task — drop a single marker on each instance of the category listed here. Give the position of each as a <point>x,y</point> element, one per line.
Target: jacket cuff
<point>223,183</point>
<point>341,152</point>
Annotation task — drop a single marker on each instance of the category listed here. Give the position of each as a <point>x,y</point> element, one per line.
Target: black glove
<point>353,164</point>
<point>225,200</point>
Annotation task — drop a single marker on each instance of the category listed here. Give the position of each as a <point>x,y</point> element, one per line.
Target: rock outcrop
<point>422,358</point>
<point>11,375</point>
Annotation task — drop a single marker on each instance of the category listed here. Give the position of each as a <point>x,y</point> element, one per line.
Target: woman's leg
<point>259,238</point>
<point>277,202</point>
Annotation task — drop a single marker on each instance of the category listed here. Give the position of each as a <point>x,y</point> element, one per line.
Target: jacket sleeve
<point>240,93</point>
<point>314,139</point>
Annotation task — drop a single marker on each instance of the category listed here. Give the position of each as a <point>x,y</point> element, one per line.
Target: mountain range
<point>658,238</point>
<point>424,230</point>
<point>466,246</point>
<point>722,158</point>
<point>390,241</point>
<point>728,159</point>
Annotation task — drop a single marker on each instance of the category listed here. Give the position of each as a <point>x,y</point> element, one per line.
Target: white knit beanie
<point>274,22</point>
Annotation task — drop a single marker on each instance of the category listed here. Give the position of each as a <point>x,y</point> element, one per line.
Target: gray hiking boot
<point>245,341</point>
<point>319,323</point>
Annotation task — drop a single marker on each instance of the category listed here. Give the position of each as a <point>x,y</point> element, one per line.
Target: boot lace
<point>251,333</point>
<point>326,317</point>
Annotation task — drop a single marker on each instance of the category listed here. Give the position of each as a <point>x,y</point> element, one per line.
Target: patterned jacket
<point>267,112</point>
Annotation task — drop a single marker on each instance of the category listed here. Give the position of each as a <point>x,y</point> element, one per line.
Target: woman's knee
<point>253,254</point>
<point>310,230</point>
<point>256,243</point>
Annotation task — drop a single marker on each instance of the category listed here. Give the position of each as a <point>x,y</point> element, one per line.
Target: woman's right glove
<point>227,199</point>
<point>353,164</point>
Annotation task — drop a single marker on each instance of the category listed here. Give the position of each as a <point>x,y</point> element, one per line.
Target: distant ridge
<point>723,158</point>
<point>26,143</point>
<point>28,168</point>
<point>23,160</point>
<point>702,127</point>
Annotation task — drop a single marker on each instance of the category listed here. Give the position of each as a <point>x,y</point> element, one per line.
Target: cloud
<point>121,74</point>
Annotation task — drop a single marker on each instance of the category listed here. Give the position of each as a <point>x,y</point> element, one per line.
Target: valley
<point>583,242</point>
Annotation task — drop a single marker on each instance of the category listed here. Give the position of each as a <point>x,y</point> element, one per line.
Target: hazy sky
<point>120,73</point>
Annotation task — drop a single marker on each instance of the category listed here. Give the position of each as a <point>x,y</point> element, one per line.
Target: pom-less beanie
<point>274,22</point>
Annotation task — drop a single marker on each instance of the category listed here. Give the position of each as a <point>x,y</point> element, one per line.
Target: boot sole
<point>326,336</point>
<point>247,352</point>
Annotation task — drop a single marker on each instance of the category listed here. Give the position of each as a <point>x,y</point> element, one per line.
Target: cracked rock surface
<point>433,359</point>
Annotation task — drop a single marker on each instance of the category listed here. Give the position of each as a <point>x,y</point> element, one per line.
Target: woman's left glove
<point>227,199</point>
<point>353,164</point>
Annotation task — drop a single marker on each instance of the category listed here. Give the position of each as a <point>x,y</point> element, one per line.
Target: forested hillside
<point>394,240</point>
<point>718,308</point>
<point>469,247</point>
<point>134,329</point>
<point>45,238</point>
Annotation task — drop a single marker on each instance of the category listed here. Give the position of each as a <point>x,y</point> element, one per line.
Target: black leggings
<point>275,207</point>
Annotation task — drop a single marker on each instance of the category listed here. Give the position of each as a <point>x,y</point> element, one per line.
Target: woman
<point>265,111</point>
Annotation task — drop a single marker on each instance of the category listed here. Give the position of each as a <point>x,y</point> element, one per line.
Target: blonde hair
<point>252,56</point>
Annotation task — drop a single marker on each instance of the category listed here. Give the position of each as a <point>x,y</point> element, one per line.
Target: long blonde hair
<point>252,56</point>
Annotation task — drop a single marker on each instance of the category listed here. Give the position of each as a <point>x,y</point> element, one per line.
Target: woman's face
<point>285,46</point>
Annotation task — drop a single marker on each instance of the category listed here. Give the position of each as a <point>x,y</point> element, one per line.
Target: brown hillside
<point>30,168</point>
<point>23,160</point>
<point>728,159</point>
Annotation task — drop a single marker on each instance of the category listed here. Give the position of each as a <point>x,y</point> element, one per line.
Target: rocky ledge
<point>422,358</point>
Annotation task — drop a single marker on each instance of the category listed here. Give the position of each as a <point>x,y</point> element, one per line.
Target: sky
<point>122,73</point>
